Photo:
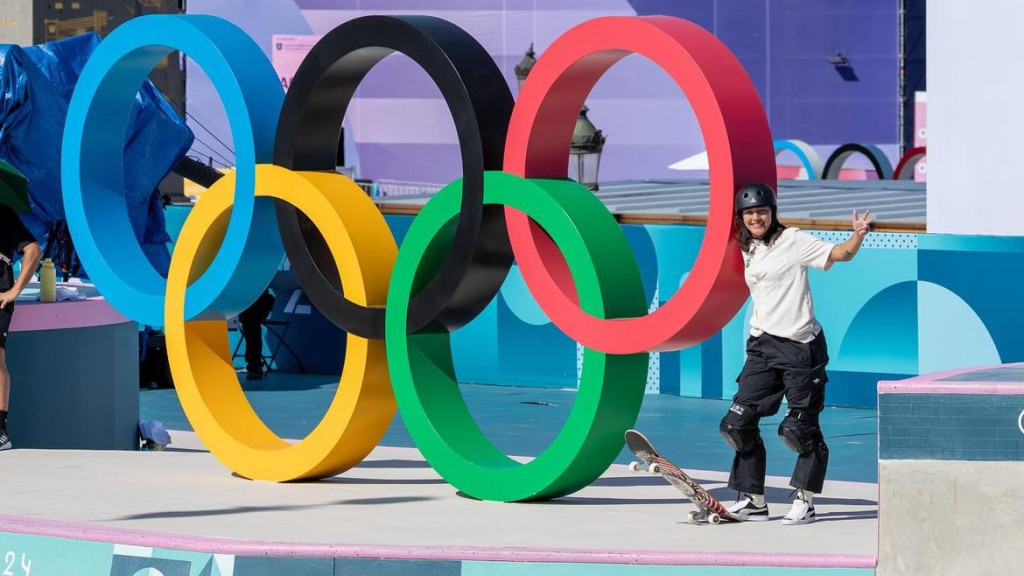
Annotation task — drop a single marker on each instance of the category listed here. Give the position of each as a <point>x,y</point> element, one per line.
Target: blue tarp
<point>36,84</point>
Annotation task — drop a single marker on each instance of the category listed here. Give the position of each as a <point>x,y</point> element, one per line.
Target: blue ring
<point>92,165</point>
<point>808,156</point>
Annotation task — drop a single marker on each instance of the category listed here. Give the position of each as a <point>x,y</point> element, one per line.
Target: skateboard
<point>708,509</point>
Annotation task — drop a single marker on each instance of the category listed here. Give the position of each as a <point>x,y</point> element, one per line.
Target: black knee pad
<point>739,428</point>
<point>799,431</point>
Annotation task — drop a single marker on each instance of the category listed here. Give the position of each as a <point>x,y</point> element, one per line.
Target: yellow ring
<point>364,251</point>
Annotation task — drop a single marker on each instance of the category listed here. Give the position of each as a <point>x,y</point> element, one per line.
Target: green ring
<point>423,374</point>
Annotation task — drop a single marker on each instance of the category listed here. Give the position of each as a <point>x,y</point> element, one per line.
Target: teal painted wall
<point>908,304</point>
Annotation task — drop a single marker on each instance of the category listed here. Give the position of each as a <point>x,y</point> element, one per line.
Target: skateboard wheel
<point>654,469</point>
<point>692,517</point>
<point>714,518</point>
<point>634,466</point>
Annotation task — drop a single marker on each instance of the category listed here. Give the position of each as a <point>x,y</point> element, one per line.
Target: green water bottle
<point>48,282</point>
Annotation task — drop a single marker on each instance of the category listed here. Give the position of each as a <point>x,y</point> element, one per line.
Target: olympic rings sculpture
<point>811,162</point>
<point>399,306</point>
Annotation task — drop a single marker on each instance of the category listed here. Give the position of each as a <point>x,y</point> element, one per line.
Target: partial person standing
<point>786,353</point>
<point>14,238</point>
<point>251,322</point>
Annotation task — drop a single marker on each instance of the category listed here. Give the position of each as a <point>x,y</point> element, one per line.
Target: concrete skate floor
<point>395,499</point>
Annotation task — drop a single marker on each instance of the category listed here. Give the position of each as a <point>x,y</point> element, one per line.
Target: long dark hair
<point>746,238</point>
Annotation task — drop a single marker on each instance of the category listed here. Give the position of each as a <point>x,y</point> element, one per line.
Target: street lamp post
<point>585,151</point>
<point>587,140</point>
<point>525,65</point>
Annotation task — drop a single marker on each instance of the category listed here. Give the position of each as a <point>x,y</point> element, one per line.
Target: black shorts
<point>5,323</point>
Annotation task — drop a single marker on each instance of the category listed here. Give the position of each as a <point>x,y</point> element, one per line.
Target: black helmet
<point>754,195</point>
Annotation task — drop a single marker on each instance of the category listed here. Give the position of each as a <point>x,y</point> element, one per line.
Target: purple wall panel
<point>816,121</point>
<point>783,44</point>
<point>744,34</point>
<point>397,76</point>
<point>810,99</point>
<point>411,161</point>
<point>369,6</point>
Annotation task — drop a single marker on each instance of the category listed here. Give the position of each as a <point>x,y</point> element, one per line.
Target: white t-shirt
<point>777,278</point>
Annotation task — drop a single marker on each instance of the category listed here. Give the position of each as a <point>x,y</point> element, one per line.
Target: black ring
<point>878,160</point>
<point>307,139</point>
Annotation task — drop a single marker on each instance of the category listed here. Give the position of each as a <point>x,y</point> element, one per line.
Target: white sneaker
<point>744,509</point>
<point>800,513</point>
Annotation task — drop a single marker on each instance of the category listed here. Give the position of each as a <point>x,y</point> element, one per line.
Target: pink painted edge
<point>932,383</point>
<point>904,387</point>
<point>36,316</point>
<point>958,371</point>
<point>88,532</point>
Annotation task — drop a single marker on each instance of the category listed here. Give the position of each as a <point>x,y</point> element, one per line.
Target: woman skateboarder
<point>786,353</point>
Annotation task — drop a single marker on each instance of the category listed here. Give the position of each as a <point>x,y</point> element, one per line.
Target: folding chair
<point>283,283</point>
<point>279,328</point>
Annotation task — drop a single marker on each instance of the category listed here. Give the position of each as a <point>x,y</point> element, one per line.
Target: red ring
<point>740,151</point>
<point>908,162</point>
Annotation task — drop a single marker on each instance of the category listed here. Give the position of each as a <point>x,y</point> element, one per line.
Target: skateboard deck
<point>708,510</point>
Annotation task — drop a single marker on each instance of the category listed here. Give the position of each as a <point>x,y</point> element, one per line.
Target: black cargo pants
<point>777,367</point>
